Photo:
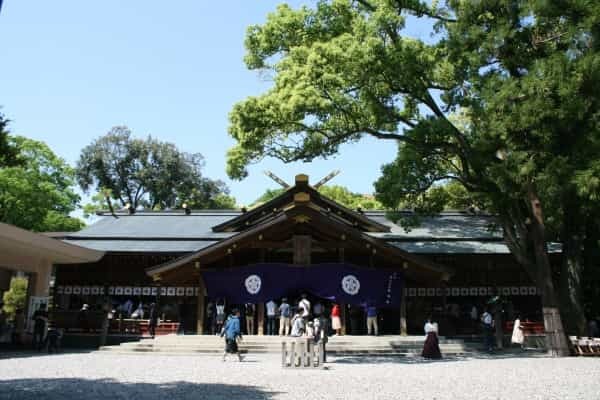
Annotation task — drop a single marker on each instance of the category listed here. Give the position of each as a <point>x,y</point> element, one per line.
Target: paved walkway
<point>84,376</point>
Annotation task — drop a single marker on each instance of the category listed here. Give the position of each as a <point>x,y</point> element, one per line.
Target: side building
<point>300,243</point>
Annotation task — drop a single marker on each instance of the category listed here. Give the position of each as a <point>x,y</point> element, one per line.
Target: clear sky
<point>72,69</point>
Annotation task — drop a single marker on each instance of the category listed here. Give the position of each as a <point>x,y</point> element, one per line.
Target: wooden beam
<point>302,249</point>
<point>201,306</point>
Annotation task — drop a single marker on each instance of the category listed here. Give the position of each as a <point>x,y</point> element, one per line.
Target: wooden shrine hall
<point>299,242</point>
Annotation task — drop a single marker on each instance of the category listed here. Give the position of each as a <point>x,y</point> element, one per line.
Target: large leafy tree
<point>525,73</point>
<point>8,152</point>
<point>337,193</point>
<point>38,194</point>
<point>147,172</point>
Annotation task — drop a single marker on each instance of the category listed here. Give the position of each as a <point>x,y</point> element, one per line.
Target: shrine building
<point>299,242</point>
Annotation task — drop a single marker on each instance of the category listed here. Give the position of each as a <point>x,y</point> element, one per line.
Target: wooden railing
<point>70,321</point>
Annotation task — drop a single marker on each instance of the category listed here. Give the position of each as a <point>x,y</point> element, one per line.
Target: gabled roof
<point>176,231</point>
<point>263,212</point>
<point>312,216</point>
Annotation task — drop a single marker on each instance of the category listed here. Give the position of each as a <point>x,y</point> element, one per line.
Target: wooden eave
<point>265,211</point>
<point>417,267</point>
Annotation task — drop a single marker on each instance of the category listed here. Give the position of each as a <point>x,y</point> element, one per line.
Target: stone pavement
<point>106,376</point>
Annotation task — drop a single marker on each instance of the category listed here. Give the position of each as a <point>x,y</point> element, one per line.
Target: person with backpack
<point>232,333</point>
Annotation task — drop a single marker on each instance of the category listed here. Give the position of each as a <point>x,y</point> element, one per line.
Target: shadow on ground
<point>27,353</point>
<point>84,389</point>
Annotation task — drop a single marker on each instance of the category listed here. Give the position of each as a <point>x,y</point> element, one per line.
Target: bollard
<point>302,353</point>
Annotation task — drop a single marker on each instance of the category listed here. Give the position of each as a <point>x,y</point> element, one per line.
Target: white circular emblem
<point>350,284</point>
<point>253,284</point>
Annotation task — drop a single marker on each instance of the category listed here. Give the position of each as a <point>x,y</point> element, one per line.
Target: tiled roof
<point>448,232</point>
<point>144,246</point>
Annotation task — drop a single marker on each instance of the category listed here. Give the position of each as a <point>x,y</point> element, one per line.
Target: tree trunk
<point>571,272</point>
<point>556,341</point>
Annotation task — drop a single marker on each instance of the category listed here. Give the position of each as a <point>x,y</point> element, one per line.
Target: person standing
<point>431,347</point>
<point>297,325</point>
<point>220,315</point>
<point>249,315</point>
<point>356,313</point>
<point>372,320</point>
<point>488,329</point>
<point>317,309</point>
<point>17,336</point>
<point>474,314</point>
<point>304,306</point>
<point>232,333</point>
<point>83,318</point>
<point>271,309</point>
<point>40,321</point>
<point>336,323</point>
<point>152,320</point>
<point>284,321</point>
<point>517,333</point>
<point>210,318</point>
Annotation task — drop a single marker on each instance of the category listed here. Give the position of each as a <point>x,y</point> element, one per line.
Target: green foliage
<point>224,202</point>
<point>268,195</point>
<point>145,172</point>
<point>350,199</point>
<point>516,78</point>
<point>504,99</point>
<point>337,193</point>
<point>9,154</point>
<point>38,194</point>
<point>15,297</point>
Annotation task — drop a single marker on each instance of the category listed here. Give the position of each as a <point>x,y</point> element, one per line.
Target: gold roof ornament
<point>301,219</point>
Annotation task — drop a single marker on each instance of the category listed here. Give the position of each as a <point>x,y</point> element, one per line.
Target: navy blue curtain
<point>345,283</point>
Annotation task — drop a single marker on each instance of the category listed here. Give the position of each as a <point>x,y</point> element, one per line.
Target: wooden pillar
<point>341,259</point>
<point>403,326</point>
<point>343,317</point>
<point>260,311</point>
<point>201,306</point>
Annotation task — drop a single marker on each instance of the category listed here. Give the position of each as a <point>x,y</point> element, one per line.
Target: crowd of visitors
<point>292,318</point>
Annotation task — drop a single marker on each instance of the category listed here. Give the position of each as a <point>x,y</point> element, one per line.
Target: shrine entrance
<point>302,241</point>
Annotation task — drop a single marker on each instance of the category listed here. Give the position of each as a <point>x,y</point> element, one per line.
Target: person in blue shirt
<point>372,319</point>
<point>232,332</point>
<point>284,321</point>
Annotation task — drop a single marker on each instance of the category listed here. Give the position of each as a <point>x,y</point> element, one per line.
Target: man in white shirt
<point>304,306</point>
<point>271,307</point>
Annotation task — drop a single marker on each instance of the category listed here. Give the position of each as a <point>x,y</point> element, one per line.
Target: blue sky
<point>71,70</point>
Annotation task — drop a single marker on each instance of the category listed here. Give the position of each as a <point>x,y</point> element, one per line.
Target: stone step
<point>339,345</point>
<point>278,345</point>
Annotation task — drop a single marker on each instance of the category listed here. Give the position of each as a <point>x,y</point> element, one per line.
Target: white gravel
<point>112,376</point>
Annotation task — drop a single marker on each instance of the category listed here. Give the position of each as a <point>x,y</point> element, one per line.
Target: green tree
<point>8,152</point>
<point>268,195</point>
<point>525,73</point>
<point>145,172</point>
<point>15,297</point>
<point>337,193</point>
<point>38,195</point>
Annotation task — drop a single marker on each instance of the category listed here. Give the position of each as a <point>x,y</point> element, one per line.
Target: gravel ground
<point>112,376</point>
